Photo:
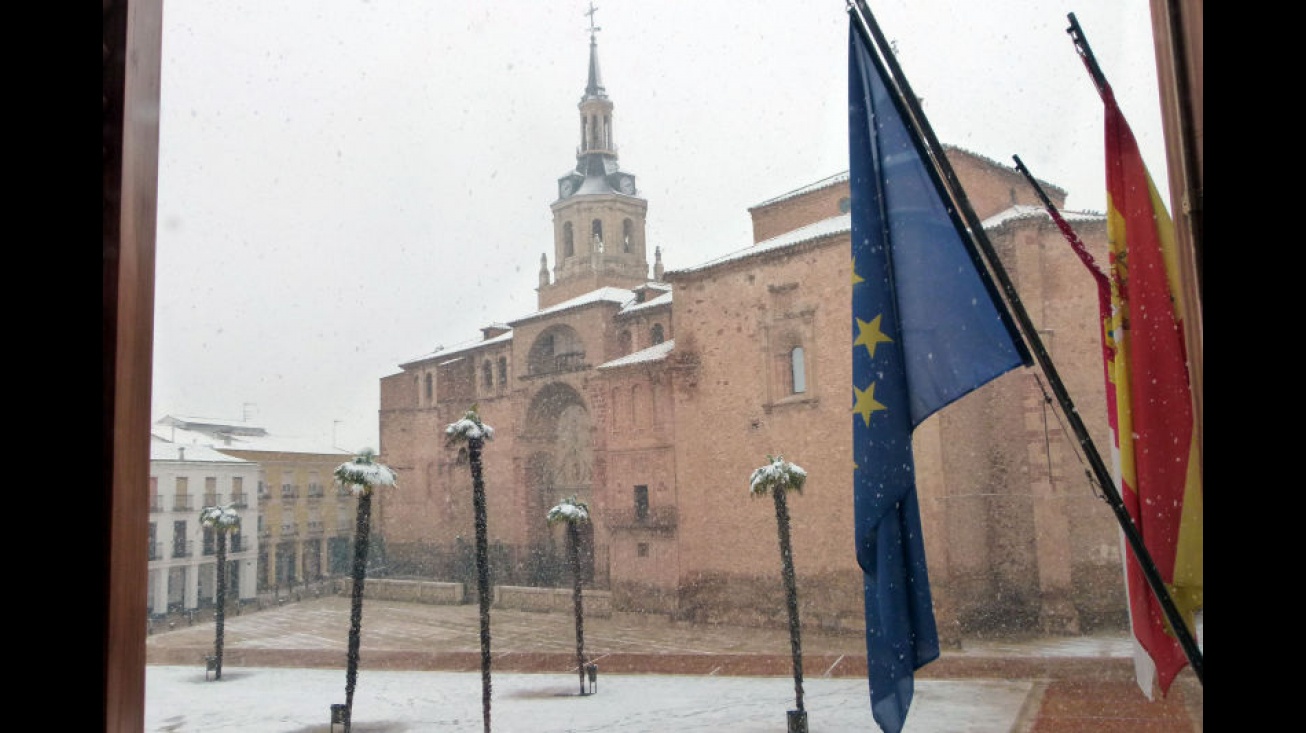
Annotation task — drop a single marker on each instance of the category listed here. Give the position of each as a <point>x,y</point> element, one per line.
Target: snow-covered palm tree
<point>574,513</point>
<point>361,476</point>
<point>474,433</point>
<point>223,520</point>
<point>777,478</point>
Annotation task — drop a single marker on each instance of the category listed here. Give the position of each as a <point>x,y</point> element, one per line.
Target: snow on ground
<point>295,700</point>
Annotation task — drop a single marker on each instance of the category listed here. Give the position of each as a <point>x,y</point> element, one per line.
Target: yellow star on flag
<point>866,403</point>
<point>869,334</point>
<point>856,278</point>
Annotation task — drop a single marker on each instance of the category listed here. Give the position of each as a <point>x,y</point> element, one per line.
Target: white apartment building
<point>183,553</point>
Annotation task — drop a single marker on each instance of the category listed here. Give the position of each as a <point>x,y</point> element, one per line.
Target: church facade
<point>652,395</point>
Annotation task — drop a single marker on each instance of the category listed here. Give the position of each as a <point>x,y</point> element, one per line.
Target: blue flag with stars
<point>927,329</point>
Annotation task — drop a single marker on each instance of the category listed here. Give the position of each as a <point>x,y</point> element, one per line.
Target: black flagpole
<point>940,170</point>
<point>1113,495</point>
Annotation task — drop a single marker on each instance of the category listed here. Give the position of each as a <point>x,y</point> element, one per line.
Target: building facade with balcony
<point>304,524</point>
<point>183,553</point>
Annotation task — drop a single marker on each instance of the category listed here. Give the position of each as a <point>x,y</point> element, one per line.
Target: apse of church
<point>652,395</point>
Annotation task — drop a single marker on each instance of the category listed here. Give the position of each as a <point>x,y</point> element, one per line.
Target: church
<point>651,395</point>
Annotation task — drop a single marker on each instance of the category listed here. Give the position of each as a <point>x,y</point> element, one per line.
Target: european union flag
<point>927,329</point>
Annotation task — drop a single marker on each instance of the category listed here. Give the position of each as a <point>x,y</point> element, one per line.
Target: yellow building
<point>304,522</point>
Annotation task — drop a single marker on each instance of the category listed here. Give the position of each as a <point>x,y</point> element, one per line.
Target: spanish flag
<point>1150,404</point>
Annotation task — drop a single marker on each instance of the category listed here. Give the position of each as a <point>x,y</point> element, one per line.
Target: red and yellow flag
<point>1156,448</point>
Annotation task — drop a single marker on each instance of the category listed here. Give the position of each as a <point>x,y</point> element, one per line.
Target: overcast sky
<point>346,184</point>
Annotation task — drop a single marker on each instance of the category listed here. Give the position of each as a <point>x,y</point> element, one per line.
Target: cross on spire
<point>593,29</point>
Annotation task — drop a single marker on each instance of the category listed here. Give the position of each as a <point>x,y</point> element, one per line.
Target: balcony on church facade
<point>557,363</point>
<point>655,519</point>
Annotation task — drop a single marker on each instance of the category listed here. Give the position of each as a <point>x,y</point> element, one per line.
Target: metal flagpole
<point>945,180</point>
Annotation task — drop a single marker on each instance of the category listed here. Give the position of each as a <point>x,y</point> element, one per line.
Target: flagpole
<point>946,180</point>
<point>1113,496</point>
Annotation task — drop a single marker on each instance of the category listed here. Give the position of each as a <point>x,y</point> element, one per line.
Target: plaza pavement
<point>419,670</point>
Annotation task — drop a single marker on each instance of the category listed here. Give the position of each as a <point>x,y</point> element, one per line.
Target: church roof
<point>826,227</point>
<point>1024,212</point>
<point>816,186</point>
<point>608,294</point>
<point>657,352</point>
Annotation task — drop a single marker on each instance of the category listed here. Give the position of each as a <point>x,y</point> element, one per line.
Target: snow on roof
<point>461,347</point>
<point>224,441</point>
<point>652,353</point>
<point>661,299</point>
<point>608,294</point>
<point>824,228</point>
<point>162,450</point>
<point>823,183</point>
<point>1022,212</point>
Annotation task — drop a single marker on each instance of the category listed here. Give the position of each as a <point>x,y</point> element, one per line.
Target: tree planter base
<point>797,721</point>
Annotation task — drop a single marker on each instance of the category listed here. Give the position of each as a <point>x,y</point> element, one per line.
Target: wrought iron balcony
<point>156,504</point>
<point>658,518</point>
<point>182,504</point>
<point>183,549</point>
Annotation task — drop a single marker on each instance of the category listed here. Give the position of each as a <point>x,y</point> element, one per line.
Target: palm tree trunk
<point>361,532</point>
<point>482,573</point>
<point>791,591</point>
<point>220,615</point>
<point>573,553</point>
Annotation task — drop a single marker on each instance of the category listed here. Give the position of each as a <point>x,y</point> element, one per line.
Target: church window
<point>627,228</point>
<point>503,370</point>
<point>617,415</point>
<point>655,335</point>
<point>487,374</point>
<point>568,243</point>
<point>641,503</point>
<point>797,370</point>
<point>429,390</point>
<point>623,342</point>
<point>596,231</point>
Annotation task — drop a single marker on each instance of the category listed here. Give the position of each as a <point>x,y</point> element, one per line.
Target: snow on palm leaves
<point>777,474</point>
<point>363,473</point>
<point>570,509</point>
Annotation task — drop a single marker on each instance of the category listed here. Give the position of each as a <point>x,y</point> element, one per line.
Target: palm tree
<point>223,520</point>
<point>574,512</point>
<point>474,433</point>
<point>778,477</point>
<point>360,476</point>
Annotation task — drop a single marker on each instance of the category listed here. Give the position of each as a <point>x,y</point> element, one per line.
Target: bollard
<point>339,718</point>
<point>797,721</point>
<point>592,672</point>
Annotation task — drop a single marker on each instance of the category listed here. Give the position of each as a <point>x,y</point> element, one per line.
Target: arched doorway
<point>558,424</point>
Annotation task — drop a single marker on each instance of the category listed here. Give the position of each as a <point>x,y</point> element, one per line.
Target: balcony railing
<point>156,551</point>
<point>569,362</point>
<point>239,501</point>
<point>183,549</point>
<point>210,500</point>
<point>661,518</point>
<point>181,504</point>
<point>156,504</point>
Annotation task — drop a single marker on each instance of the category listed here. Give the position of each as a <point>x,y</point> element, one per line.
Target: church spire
<point>599,216</point>
<point>594,86</point>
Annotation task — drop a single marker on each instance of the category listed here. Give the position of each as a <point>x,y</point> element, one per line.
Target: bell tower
<point>598,217</point>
